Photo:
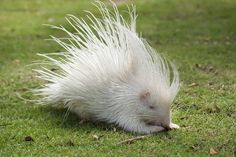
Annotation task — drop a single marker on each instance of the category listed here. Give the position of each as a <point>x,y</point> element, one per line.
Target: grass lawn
<point>199,35</point>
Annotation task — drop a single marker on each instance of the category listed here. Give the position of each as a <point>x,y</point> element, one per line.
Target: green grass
<point>199,35</point>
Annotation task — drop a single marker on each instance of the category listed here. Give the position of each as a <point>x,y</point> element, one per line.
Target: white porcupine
<point>108,73</point>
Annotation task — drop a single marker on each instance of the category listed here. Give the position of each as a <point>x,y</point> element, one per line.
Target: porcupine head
<point>109,73</point>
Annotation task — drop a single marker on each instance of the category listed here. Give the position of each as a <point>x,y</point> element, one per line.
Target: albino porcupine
<point>108,73</point>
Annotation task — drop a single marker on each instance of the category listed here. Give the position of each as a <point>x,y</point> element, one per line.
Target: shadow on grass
<point>68,120</point>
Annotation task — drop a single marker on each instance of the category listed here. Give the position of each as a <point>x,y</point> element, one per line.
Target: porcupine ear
<point>145,96</point>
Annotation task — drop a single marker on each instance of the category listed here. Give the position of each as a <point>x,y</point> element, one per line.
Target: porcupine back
<point>105,66</point>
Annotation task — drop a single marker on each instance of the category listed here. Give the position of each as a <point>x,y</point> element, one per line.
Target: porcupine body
<point>108,73</point>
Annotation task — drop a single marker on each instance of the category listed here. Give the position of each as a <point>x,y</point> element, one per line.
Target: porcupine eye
<point>152,107</point>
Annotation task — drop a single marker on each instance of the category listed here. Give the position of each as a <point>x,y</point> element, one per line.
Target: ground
<point>198,35</point>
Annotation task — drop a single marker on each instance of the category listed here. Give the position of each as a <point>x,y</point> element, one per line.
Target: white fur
<point>106,70</point>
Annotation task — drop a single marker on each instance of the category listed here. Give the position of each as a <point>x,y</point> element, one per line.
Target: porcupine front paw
<point>152,129</point>
<point>144,128</point>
